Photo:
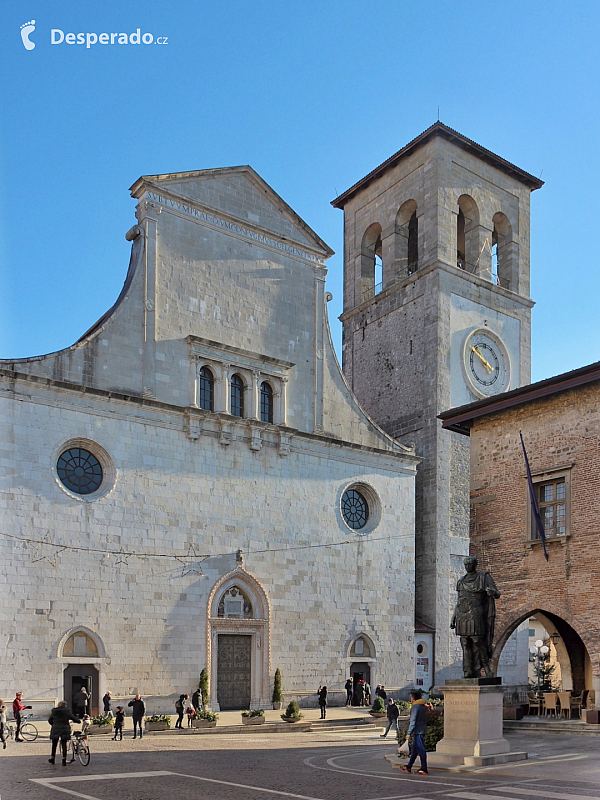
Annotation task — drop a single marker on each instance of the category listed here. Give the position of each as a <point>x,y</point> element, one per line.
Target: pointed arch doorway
<point>238,643</point>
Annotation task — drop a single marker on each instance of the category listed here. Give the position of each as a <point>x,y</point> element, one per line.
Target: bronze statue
<point>474,618</point>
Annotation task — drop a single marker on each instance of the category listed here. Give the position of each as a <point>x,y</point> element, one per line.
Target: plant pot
<point>378,714</point>
<point>203,723</point>
<point>512,712</point>
<point>156,726</point>
<point>277,705</point>
<point>253,720</point>
<point>94,729</point>
<point>291,719</point>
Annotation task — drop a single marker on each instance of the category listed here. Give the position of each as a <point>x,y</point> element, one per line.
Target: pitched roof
<point>439,129</point>
<point>461,419</point>
<point>254,177</point>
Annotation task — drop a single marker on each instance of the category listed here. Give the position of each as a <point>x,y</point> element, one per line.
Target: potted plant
<point>254,717</point>
<point>157,722</point>
<point>204,719</point>
<point>277,698</point>
<point>101,724</point>
<point>378,708</point>
<point>435,728</point>
<point>203,686</point>
<point>292,713</point>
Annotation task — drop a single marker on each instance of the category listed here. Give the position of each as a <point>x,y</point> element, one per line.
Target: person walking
<point>59,720</point>
<point>417,727</point>
<point>17,707</point>
<point>367,693</point>
<point>107,702</point>
<point>180,709</point>
<point>80,702</point>
<point>393,712</point>
<point>322,700</point>
<point>119,723</point>
<point>3,724</point>
<point>349,687</point>
<point>138,710</point>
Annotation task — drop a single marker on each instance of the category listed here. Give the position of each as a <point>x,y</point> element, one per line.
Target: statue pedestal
<point>473,735</point>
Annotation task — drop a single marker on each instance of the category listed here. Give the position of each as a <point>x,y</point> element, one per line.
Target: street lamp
<point>539,651</point>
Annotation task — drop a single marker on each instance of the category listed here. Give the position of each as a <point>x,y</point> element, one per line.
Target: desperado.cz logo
<point>57,36</point>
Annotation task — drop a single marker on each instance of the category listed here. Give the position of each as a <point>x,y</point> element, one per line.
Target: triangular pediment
<point>239,193</point>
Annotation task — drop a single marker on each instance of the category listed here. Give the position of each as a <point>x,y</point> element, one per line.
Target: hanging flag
<point>534,503</point>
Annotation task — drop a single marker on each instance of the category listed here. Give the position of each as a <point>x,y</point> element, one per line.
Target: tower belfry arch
<point>450,325</point>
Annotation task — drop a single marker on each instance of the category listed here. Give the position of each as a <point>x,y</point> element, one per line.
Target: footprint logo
<point>26,29</point>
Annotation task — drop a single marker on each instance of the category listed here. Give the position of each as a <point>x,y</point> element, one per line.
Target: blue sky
<point>313,96</point>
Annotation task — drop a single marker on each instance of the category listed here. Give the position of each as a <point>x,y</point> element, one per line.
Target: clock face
<point>486,363</point>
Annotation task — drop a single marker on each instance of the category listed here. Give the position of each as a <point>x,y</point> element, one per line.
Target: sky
<point>313,96</point>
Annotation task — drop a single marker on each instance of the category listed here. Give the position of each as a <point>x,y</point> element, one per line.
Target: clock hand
<point>486,364</point>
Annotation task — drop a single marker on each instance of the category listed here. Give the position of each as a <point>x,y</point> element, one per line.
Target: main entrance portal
<point>234,671</point>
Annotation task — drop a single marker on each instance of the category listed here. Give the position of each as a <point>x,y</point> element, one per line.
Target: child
<point>119,721</point>
<point>3,723</point>
<point>191,714</point>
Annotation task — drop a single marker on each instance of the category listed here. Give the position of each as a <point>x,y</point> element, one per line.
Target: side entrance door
<point>78,675</point>
<point>234,671</point>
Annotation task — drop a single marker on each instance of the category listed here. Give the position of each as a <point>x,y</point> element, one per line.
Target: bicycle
<point>28,730</point>
<point>80,748</point>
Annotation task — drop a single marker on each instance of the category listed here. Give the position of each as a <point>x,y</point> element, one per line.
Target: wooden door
<point>234,671</point>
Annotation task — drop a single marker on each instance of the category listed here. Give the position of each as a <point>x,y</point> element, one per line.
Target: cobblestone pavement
<point>327,764</point>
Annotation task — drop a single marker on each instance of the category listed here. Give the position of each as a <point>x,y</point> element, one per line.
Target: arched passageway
<point>567,649</point>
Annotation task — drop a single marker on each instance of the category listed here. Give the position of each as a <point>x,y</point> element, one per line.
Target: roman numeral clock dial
<point>486,364</point>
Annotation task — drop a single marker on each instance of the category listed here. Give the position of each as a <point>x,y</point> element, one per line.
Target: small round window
<point>79,471</point>
<point>355,509</point>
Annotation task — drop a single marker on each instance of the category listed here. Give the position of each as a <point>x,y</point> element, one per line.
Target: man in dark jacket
<point>60,729</point>
<point>349,687</point>
<point>138,711</point>
<point>197,700</point>
<point>416,728</point>
<point>393,712</point>
<point>107,702</point>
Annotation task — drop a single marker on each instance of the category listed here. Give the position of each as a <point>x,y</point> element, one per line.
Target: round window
<point>79,471</point>
<point>355,509</point>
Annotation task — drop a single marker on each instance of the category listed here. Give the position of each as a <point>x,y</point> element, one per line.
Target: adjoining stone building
<point>193,484</point>
<point>560,424</point>
<point>437,313</point>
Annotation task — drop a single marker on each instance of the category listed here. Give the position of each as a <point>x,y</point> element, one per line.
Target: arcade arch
<point>568,647</point>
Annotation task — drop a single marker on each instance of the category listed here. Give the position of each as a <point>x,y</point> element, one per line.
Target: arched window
<point>504,253</point>
<point>237,396</point>
<point>413,243</point>
<point>206,389</point>
<point>371,250</point>
<point>467,226</point>
<point>266,402</point>
<point>406,240</point>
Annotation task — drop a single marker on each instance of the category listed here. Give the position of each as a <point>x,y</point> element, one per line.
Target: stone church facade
<point>193,484</point>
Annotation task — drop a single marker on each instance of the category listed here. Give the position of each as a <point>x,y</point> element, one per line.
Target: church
<point>196,484</point>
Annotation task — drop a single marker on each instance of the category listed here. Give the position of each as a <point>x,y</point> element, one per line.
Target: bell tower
<point>437,314</point>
